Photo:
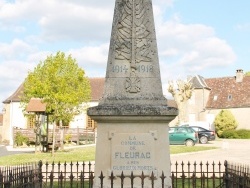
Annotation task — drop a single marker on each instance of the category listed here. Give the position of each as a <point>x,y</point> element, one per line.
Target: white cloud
<point>16,49</point>
<point>93,59</point>
<point>12,74</point>
<point>92,54</point>
<point>189,49</point>
<point>184,49</point>
<point>243,27</point>
<point>60,19</point>
<point>77,23</point>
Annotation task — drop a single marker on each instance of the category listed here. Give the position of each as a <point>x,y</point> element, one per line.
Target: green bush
<point>20,139</point>
<point>240,134</point>
<point>243,133</point>
<point>68,138</point>
<point>224,121</point>
<point>229,134</point>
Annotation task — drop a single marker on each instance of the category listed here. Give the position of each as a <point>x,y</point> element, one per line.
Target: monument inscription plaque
<point>132,152</point>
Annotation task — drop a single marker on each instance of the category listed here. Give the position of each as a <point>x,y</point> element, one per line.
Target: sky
<point>210,38</point>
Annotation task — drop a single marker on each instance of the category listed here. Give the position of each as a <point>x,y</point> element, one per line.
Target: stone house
<point>212,95</point>
<point>14,115</point>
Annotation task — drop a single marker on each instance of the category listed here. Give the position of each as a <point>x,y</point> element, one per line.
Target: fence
<point>81,175</point>
<point>76,135</point>
<point>237,175</point>
<point>197,175</point>
<point>28,175</point>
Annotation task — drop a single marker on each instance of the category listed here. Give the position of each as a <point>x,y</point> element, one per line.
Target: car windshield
<point>200,129</point>
<point>181,130</point>
<point>195,128</point>
<point>171,130</point>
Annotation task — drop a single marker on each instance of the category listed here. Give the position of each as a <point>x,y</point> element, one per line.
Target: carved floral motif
<point>133,39</point>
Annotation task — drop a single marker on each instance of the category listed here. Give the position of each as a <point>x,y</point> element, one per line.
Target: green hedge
<point>240,134</point>
<point>20,139</point>
<point>243,133</point>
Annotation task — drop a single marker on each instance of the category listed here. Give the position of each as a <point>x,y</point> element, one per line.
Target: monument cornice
<point>132,110</point>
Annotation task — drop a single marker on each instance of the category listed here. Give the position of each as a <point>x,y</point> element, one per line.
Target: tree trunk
<point>61,136</point>
<point>53,139</point>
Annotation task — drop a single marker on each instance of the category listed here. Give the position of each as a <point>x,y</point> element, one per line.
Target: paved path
<point>234,151</point>
<point>4,151</point>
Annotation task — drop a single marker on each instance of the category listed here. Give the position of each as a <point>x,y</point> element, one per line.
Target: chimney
<point>239,75</point>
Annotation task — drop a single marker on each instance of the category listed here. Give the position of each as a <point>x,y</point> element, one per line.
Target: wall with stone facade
<point>197,104</point>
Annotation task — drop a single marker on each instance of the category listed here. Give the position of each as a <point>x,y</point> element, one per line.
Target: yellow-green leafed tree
<point>225,120</point>
<point>61,84</point>
<point>247,73</point>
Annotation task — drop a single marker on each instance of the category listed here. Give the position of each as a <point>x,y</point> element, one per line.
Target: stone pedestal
<point>132,143</point>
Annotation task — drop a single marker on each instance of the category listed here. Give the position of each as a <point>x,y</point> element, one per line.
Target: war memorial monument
<point>132,116</point>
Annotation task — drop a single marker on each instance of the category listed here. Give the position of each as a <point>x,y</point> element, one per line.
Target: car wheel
<point>203,140</point>
<point>189,143</point>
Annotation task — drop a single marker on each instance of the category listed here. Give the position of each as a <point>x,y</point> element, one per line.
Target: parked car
<point>204,135</point>
<point>183,135</point>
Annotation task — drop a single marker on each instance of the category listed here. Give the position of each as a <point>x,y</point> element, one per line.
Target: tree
<point>61,85</point>
<point>247,73</point>
<point>181,96</point>
<point>224,121</point>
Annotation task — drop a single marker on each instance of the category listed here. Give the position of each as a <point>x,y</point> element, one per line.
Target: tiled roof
<point>198,82</point>
<point>97,85</point>
<point>36,105</point>
<point>15,96</point>
<point>227,93</point>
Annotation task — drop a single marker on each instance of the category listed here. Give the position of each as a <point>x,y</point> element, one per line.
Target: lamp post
<point>38,131</point>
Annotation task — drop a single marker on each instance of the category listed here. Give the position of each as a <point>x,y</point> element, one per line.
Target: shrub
<point>20,139</point>
<point>224,121</point>
<point>68,138</point>
<point>240,134</point>
<point>229,134</point>
<point>243,133</point>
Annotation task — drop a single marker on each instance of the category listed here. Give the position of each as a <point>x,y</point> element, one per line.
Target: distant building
<point>14,115</point>
<point>212,95</point>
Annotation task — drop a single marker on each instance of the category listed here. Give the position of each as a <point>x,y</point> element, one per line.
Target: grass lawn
<point>81,154</point>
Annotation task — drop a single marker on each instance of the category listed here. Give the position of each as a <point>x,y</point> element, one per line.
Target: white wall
<point>80,120</point>
<point>17,117</point>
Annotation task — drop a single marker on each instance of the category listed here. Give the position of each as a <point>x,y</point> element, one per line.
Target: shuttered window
<point>91,124</point>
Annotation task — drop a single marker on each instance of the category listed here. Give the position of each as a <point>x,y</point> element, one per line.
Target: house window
<point>65,124</point>
<point>30,121</point>
<point>229,97</point>
<point>215,98</point>
<point>91,124</point>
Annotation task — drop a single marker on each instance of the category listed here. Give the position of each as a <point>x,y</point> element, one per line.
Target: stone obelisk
<point>133,116</point>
